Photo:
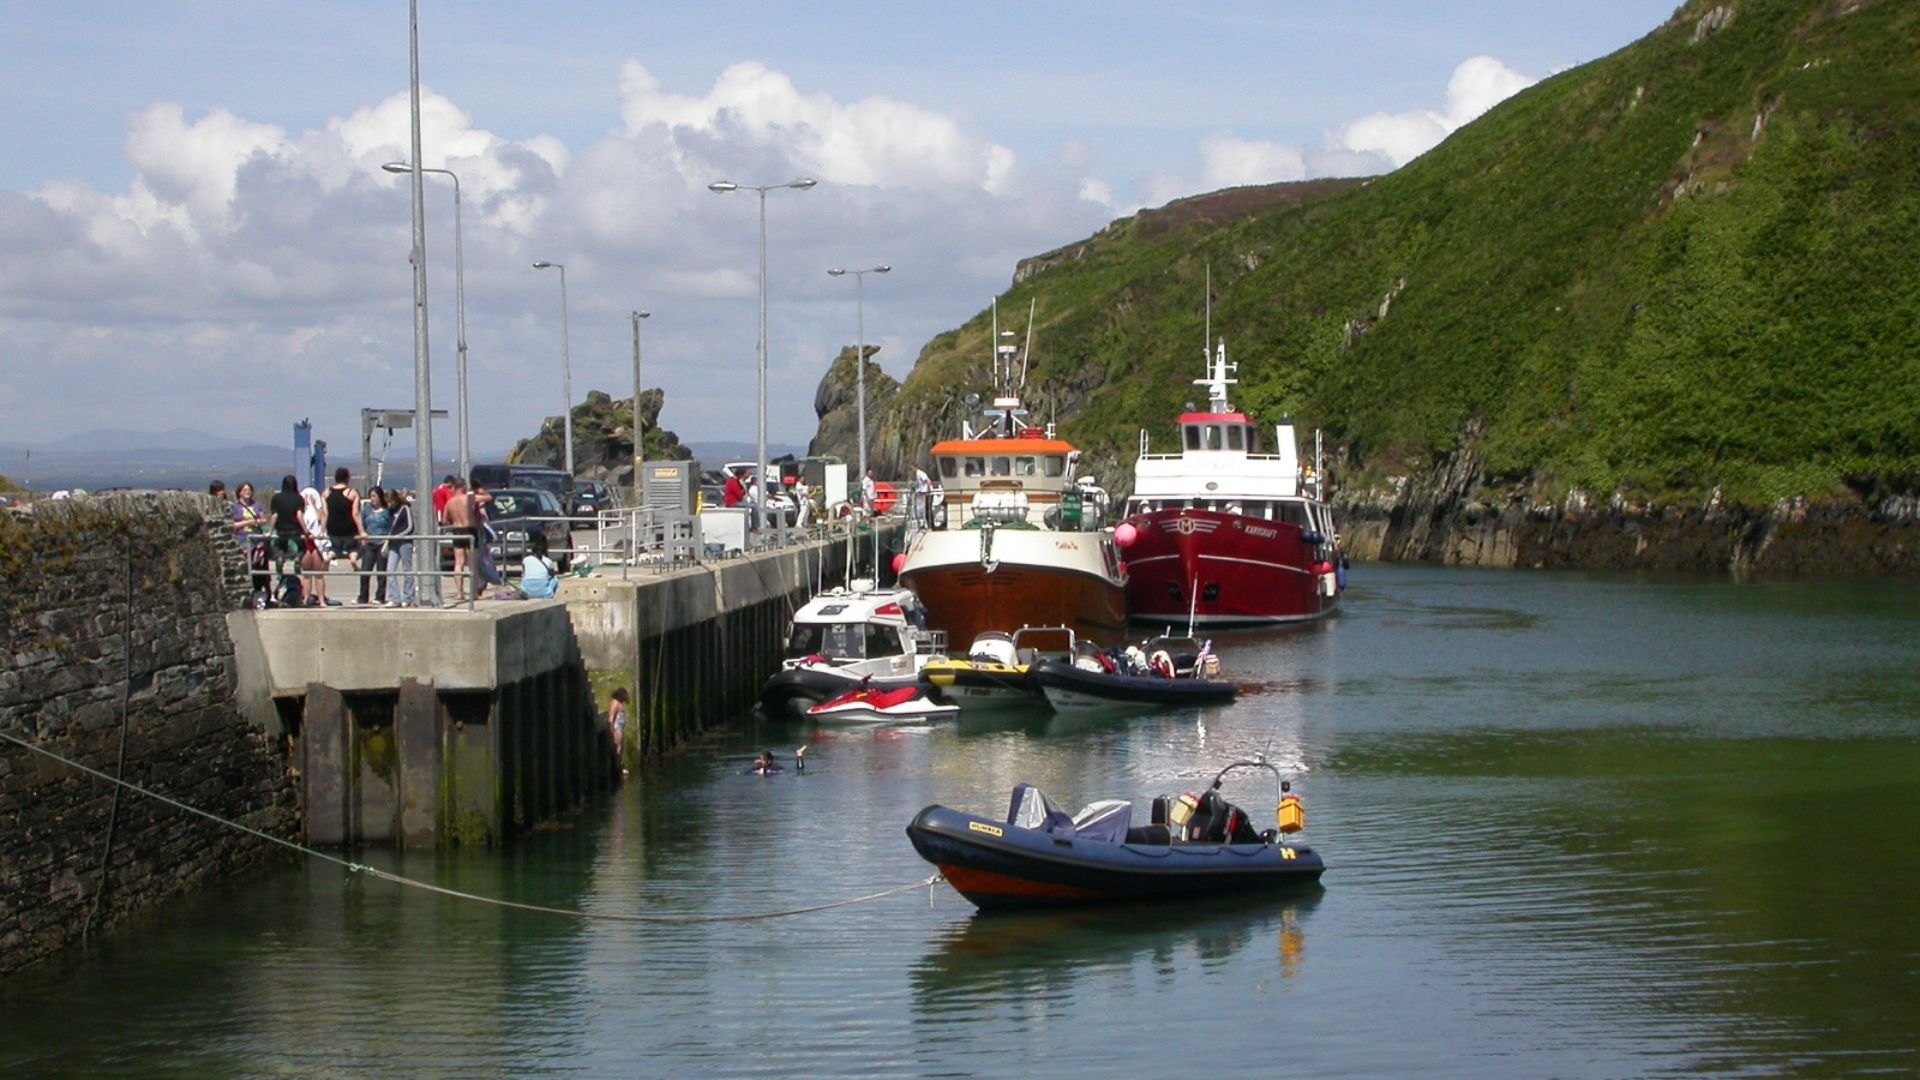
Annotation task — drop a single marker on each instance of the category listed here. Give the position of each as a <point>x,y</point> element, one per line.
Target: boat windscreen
<point>1031,809</point>
<point>835,641</point>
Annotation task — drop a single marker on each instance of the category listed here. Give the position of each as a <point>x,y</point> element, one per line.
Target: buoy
<point>899,563</point>
<point>1126,534</point>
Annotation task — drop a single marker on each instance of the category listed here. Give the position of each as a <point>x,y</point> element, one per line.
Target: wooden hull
<point>1243,570</point>
<point>1030,578</point>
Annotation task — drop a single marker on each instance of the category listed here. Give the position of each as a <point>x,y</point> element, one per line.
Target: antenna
<point>993,344</point>
<point>1032,307</point>
<point>1206,339</point>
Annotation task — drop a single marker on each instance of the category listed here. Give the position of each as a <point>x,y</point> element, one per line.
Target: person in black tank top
<point>343,516</point>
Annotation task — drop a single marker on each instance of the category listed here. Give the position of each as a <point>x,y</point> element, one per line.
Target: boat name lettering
<point>1066,545</point>
<point>1262,531</point>
<point>1289,853</point>
<point>990,830</point>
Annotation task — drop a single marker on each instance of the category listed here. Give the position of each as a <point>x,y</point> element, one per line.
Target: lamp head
<point>882,269</point>
<point>643,314</point>
<point>836,272</point>
<point>803,183</point>
<point>542,265</point>
<point>397,167</point>
<point>723,186</point>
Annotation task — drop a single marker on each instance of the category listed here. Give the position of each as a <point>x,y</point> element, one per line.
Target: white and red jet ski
<point>878,705</point>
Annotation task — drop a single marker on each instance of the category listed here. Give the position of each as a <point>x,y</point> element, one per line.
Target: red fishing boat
<point>1227,531</point>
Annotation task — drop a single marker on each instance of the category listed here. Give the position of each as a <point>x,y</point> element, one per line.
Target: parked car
<point>514,516</point>
<point>545,477</point>
<point>590,497</point>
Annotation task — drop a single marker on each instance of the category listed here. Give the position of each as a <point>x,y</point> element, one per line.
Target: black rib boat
<point>1069,687</point>
<point>1193,845</point>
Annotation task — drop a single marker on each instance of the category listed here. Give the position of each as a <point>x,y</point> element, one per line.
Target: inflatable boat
<point>1192,845</point>
<point>1158,673</point>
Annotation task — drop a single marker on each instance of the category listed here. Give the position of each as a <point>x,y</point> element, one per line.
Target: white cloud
<point>1477,85</point>
<point>1230,162</point>
<point>873,142</point>
<point>247,274</point>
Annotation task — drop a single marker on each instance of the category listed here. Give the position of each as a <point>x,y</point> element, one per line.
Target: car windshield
<point>514,504</point>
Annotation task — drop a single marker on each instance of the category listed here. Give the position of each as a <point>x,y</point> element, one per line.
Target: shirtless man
<point>461,522</point>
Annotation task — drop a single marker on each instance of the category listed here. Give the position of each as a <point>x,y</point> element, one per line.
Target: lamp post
<point>459,304</point>
<point>566,364</point>
<point>860,351</point>
<point>639,449</point>
<point>426,555</point>
<point>722,187</point>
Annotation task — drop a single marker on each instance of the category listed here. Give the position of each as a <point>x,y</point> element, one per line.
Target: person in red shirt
<point>736,491</point>
<point>440,496</point>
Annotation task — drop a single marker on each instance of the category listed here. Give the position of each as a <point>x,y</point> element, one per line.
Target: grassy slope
<point>1609,276</point>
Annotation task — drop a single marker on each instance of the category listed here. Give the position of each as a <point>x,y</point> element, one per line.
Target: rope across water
<point>426,886</point>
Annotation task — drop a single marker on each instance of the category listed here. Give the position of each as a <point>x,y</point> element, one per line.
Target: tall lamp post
<point>860,351</point>
<point>459,304</point>
<point>566,363</point>
<point>639,448</point>
<point>722,187</point>
<point>426,556</point>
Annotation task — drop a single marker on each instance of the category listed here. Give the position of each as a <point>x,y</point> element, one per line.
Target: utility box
<point>725,528</point>
<point>832,483</point>
<point>669,485</point>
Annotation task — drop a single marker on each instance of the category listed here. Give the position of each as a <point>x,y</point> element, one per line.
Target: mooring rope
<point>414,883</point>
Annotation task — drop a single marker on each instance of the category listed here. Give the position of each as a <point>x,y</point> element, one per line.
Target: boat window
<point>976,466</point>
<point>1193,436</point>
<point>1024,466</point>
<point>882,641</point>
<point>1253,439</point>
<point>949,467</point>
<point>1294,512</point>
<point>1258,508</point>
<point>836,641</point>
<point>1055,465</point>
<point>999,466</point>
<point>1236,437</point>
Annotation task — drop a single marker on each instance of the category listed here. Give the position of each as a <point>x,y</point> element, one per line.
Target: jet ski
<point>880,705</point>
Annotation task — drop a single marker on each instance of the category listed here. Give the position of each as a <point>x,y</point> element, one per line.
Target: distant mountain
<point>714,454</point>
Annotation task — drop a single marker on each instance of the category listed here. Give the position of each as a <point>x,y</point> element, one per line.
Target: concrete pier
<point>424,728</point>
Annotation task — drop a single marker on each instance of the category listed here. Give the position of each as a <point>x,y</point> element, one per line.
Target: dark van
<point>544,477</point>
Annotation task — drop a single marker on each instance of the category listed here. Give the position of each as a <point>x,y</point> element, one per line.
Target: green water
<point>1577,826</point>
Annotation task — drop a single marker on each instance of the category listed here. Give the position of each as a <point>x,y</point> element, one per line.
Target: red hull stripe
<point>972,883</point>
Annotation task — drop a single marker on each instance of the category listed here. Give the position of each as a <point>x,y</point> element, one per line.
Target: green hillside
<point>1692,264</point>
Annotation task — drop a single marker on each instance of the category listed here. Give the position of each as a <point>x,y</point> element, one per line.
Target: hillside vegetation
<point>1690,265</point>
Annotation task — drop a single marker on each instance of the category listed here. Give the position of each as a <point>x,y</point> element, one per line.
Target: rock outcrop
<point>603,438</point>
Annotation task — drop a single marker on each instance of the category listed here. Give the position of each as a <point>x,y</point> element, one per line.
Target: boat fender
<point>1136,660</point>
<point>1162,663</point>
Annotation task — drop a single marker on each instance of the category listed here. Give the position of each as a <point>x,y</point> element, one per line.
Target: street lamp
<point>426,555</point>
<point>860,350</point>
<point>566,363</point>
<point>722,187</point>
<point>639,452</point>
<point>459,303</point>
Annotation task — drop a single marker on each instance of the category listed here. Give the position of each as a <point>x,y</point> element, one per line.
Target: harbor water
<point>1576,825</point>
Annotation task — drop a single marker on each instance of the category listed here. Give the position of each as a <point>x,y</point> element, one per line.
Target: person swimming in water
<point>764,765</point>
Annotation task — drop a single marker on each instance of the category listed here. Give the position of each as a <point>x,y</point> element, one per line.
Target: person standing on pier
<point>802,502</point>
<point>400,575</point>
<point>867,492</point>
<point>460,520</point>
<point>249,528</point>
<point>344,527</point>
<point>448,485</point>
<point>736,492</point>
<point>288,544</point>
<point>373,555</point>
<point>317,553</point>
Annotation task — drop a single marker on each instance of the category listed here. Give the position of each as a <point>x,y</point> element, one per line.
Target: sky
<point>195,230</point>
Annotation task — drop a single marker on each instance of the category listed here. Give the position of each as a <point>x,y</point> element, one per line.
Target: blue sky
<point>194,230</point>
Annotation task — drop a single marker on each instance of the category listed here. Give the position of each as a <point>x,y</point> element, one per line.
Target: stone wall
<point>113,633</point>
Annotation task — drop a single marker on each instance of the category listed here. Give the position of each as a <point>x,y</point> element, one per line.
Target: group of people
<point>297,538</point>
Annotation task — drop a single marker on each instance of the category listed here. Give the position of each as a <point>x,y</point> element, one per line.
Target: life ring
<point>1162,663</point>
<point>884,497</point>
